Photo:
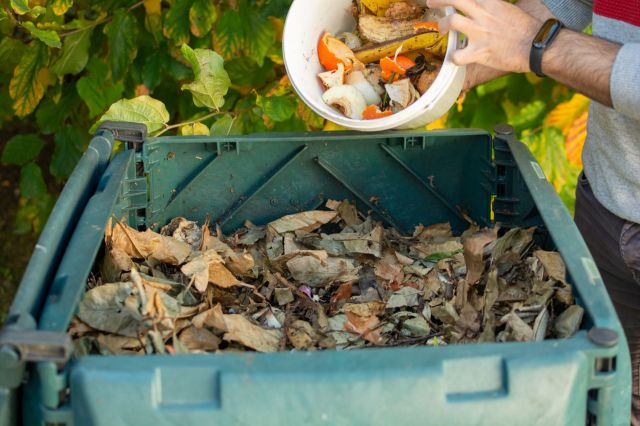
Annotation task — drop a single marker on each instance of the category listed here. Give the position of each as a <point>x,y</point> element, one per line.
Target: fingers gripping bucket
<point>308,19</point>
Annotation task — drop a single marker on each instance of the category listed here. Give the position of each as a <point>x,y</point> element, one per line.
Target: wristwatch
<point>543,39</point>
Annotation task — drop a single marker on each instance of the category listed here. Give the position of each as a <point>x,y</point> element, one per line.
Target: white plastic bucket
<point>308,19</point>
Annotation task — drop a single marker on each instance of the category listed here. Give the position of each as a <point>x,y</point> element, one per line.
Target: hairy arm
<point>500,36</point>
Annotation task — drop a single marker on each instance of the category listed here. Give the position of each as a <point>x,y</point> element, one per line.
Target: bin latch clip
<point>134,134</point>
<point>19,345</point>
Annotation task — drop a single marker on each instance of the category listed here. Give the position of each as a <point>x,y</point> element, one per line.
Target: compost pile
<point>391,59</point>
<point>329,279</point>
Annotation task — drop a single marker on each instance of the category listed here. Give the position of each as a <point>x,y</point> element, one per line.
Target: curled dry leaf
<point>314,272</point>
<point>141,245</point>
<point>364,326</point>
<point>474,250</point>
<point>553,264</point>
<point>199,339</point>
<point>240,329</point>
<point>306,221</point>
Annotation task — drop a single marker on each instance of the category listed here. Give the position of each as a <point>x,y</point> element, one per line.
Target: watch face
<point>547,33</point>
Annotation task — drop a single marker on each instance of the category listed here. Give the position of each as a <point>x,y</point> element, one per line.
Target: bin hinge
<point>133,134</point>
<point>19,345</point>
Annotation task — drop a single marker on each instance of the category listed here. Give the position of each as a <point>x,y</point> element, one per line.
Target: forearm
<point>582,62</point>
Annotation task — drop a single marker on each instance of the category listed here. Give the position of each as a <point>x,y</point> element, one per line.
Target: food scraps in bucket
<point>319,280</point>
<point>391,58</point>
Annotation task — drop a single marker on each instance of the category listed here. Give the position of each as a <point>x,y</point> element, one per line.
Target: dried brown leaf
<point>199,339</point>
<point>307,221</point>
<point>553,264</point>
<point>141,245</point>
<point>314,272</point>
<point>473,252</point>
<point>364,326</point>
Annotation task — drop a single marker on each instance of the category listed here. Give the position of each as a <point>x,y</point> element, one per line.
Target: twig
<point>100,22</point>
<point>186,123</point>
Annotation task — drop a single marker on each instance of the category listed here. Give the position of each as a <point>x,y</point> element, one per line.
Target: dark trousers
<point>615,246</point>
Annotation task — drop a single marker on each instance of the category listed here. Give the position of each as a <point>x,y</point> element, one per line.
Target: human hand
<point>499,33</point>
<point>479,74</point>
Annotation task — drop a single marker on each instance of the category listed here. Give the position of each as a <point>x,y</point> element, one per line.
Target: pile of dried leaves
<point>319,280</point>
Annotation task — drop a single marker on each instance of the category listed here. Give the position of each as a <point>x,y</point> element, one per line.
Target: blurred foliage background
<point>63,63</point>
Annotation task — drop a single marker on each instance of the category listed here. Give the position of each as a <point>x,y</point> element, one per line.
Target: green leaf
<point>69,145</point>
<point>48,37</point>
<point>36,11</point>
<point>529,116</point>
<point>245,72</point>
<point>176,22</point>
<point>436,257</point>
<point>27,86</point>
<point>11,51</point>
<point>244,33</point>
<point>60,7</point>
<point>97,90</point>
<point>122,34</point>
<point>277,108</point>
<point>226,126</point>
<point>211,82</point>
<point>33,214</point>
<point>143,109</point>
<point>152,69</point>
<point>20,6</point>
<point>51,116</point>
<point>292,124</point>
<point>32,184</point>
<point>75,54</point>
<point>22,149</point>
<point>202,16</point>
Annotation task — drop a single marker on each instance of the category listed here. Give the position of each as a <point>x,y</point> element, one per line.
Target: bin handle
<point>574,251</point>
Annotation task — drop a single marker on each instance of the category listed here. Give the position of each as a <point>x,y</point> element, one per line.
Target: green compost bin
<point>414,177</point>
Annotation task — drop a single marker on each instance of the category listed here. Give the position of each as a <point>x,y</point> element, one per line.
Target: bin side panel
<point>402,386</point>
<point>404,184</point>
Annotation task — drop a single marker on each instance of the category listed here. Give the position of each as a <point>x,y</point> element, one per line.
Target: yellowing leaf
<point>26,88</point>
<point>176,22</point>
<point>549,149</point>
<point>575,139</point>
<point>143,109</point>
<point>193,130</point>
<point>202,15</point>
<point>440,123</point>
<point>330,126</point>
<point>211,80</point>
<point>564,115</point>
<point>20,6</point>
<point>153,7</point>
<point>60,7</point>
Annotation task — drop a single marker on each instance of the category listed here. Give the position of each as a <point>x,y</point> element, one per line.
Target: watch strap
<point>547,33</point>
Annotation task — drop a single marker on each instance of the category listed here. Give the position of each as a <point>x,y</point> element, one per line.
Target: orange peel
<point>372,112</point>
<point>332,52</point>
<point>397,66</point>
